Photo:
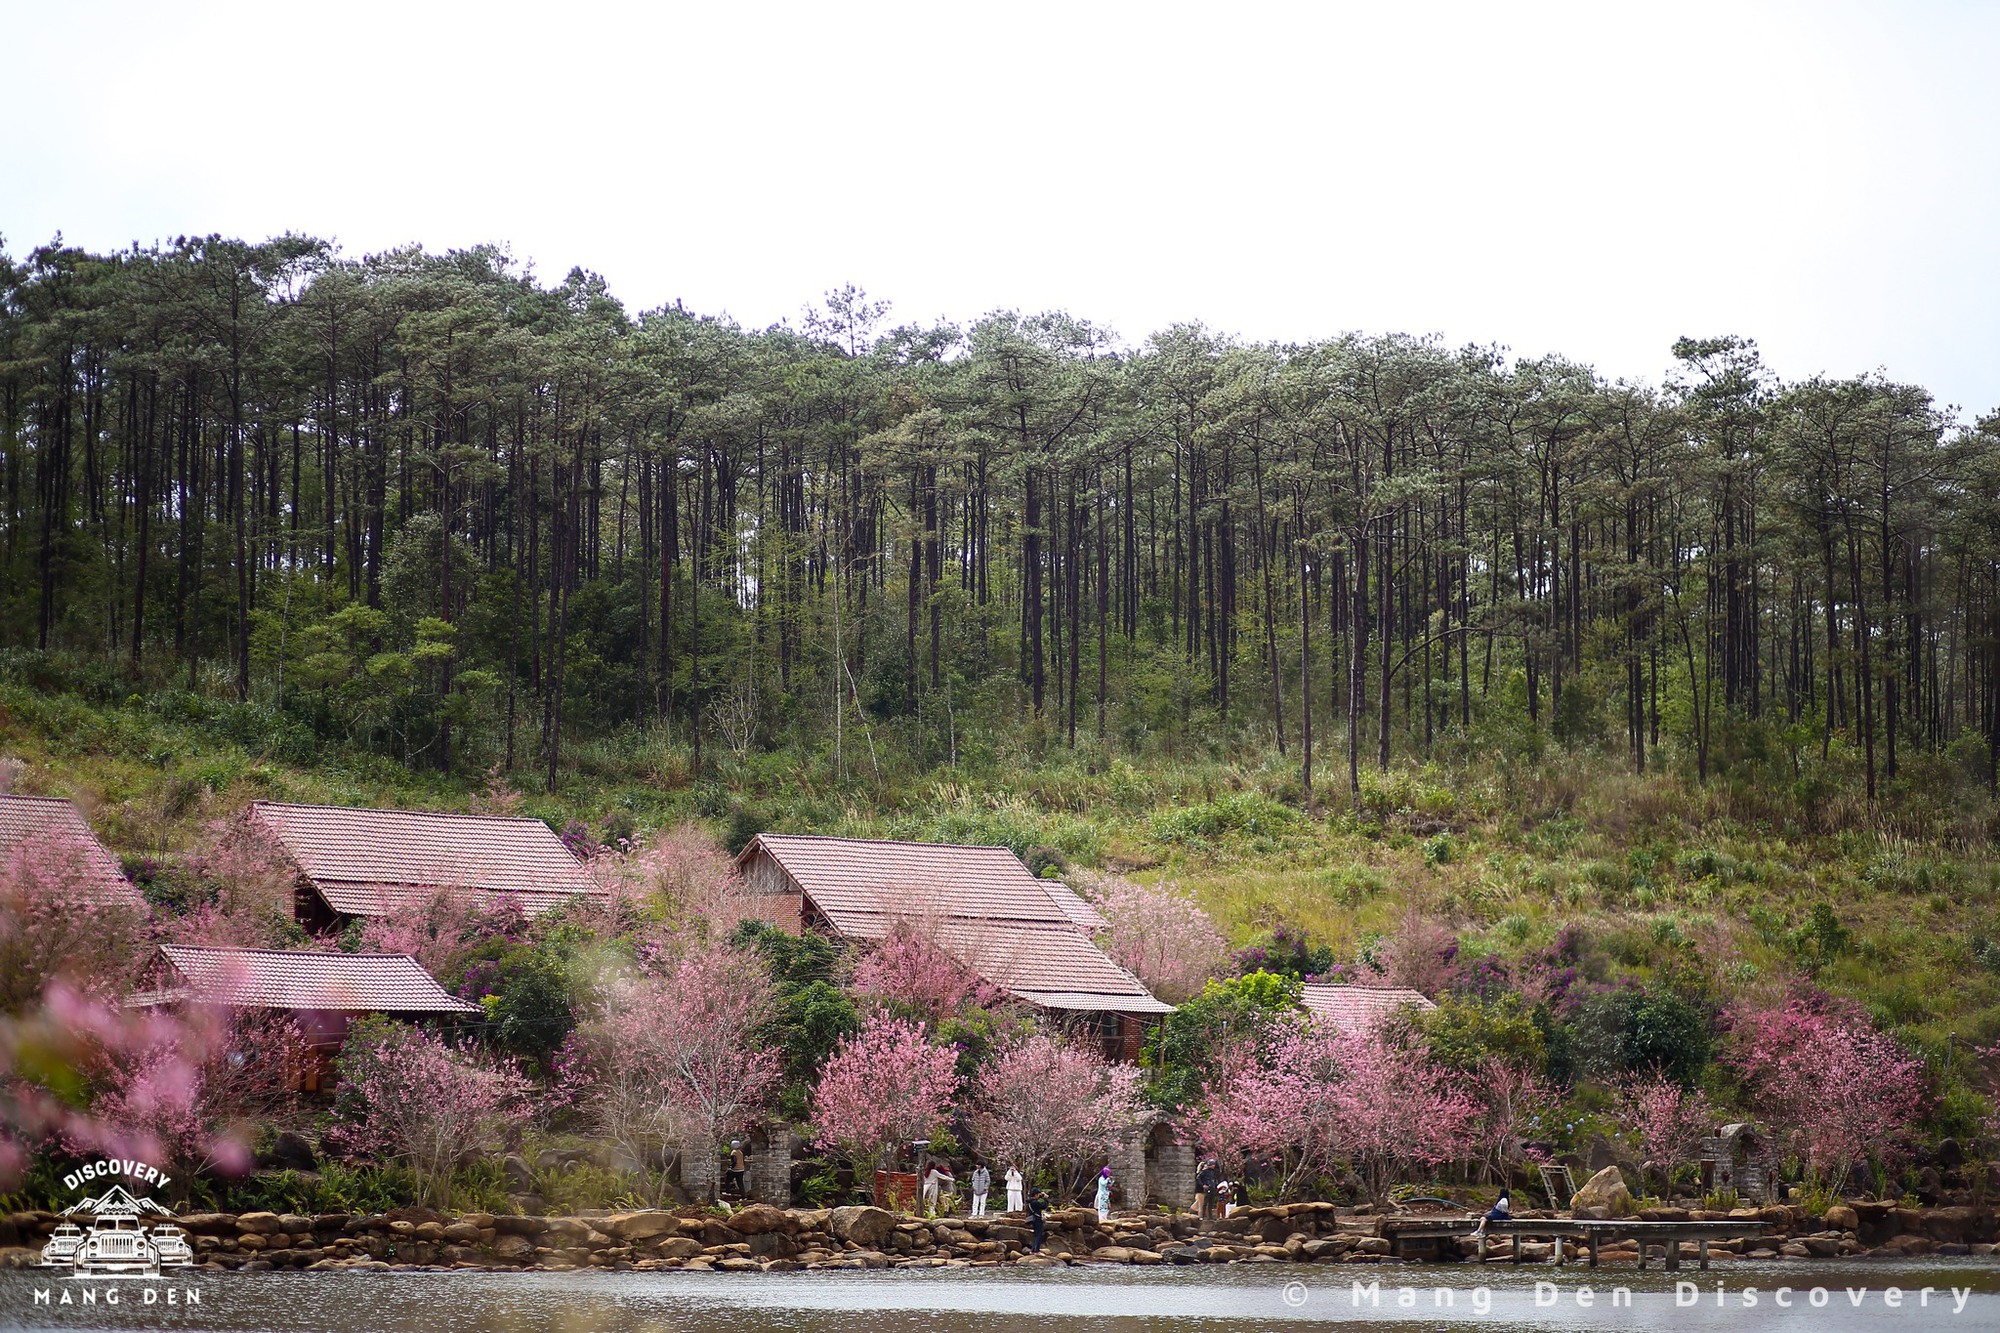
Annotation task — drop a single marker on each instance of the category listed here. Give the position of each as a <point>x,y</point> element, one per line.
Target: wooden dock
<point>1587,1234</point>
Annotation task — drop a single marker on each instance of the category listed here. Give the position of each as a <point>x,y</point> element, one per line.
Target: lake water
<point>1198,1299</point>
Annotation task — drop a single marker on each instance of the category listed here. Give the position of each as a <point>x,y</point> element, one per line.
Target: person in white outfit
<point>982,1181</point>
<point>936,1179</point>
<point>1013,1179</point>
<point>1104,1194</point>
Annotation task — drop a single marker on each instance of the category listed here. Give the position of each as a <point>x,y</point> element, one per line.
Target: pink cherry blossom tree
<point>681,877</point>
<point>1316,1096</point>
<point>675,1059</point>
<point>884,1085</point>
<point>424,1101</point>
<point>1667,1120</point>
<point>441,928</point>
<point>911,970</point>
<point>1420,955</point>
<point>253,888</point>
<point>61,1056</point>
<point>1516,1100</point>
<point>1819,1071</point>
<point>203,1085</point>
<point>1043,1101</point>
<point>48,931</point>
<point>1161,935</point>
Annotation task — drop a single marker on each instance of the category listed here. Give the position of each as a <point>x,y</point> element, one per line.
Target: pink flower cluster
<point>1043,1100</point>
<point>883,1085</point>
<point>1819,1071</point>
<point>1315,1097</point>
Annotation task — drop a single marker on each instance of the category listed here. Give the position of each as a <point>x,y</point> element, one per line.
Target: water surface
<point>1198,1299</point>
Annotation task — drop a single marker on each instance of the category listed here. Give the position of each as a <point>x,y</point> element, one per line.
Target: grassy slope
<point>1665,877</point>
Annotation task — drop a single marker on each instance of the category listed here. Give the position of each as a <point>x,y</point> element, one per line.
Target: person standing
<point>937,1179</point>
<point>1104,1194</point>
<point>982,1181</point>
<point>1038,1218</point>
<point>1014,1182</point>
<point>732,1179</point>
<point>1205,1182</point>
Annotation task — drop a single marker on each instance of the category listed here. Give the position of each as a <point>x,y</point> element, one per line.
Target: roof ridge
<point>69,801</point>
<point>906,842</point>
<point>285,953</point>
<point>399,810</point>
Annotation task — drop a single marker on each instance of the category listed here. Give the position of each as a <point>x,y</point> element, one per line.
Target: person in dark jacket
<point>1038,1217</point>
<point>1205,1181</point>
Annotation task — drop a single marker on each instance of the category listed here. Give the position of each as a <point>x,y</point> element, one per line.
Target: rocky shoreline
<point>764,1238</point>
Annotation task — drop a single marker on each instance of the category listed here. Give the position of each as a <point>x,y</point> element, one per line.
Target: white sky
<point>1594,178</point>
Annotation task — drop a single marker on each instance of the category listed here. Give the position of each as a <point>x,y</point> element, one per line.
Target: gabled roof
<point>984,907</point>
<point>1078,909</point>
<point>27,820</point>
<point>364,861</point>
<point>384,983</point>
<point>1353,1008</point>
<point>852,877</point>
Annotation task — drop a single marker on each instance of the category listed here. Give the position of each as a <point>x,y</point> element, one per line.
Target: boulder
<point>678,1247</point>
<point>759,1218</point>
<point>1073,1219</point>
<point>289,1151</point>
<point>1606,1189</point>
<point>640,1226</point>
<point>1842,1218</point>
<point>519,1175</point>
<point>864,1226</point>
<point>262,1224</point>
<point>513,1249</point>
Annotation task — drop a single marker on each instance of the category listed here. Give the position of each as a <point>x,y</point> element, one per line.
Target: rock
<point>1112,1254</point>
<point>640,1226</point>
<point>290,1151</point>
<point>864,1226</point>
<point>262,1224</point>
<point>1842,1218</point>
<point>678,1247</point>
<point>512,1224</point>
<point>1954,1225</point>
<point>1606,1189</point>
<point>1077,1219</point>
<point>562,1231</point>
<point>462,1233</point>
<point>759,1218</point>
<point>519,1175</point>
<point>514,1249</point>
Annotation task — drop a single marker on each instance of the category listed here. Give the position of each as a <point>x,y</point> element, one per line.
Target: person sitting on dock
<point>1502,1209</point>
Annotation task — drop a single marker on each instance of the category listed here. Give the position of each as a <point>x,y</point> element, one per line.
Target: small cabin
<point>322,992</point>
<point>1026,936</point>
<point>353,862</point>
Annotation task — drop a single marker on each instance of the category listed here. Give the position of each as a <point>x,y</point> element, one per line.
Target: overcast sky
<point>1594,179</point>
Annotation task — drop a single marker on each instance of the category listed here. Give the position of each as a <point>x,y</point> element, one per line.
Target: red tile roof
<point>1352,1008</point>
<point>862,875</point>
<point>361,861</point>
<point>983,904</point>
<point>28,820</point>
<point>387,983</point>
<point>1079,910</point>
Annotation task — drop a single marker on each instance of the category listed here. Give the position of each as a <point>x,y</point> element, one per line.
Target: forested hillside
<point>1339,635</point>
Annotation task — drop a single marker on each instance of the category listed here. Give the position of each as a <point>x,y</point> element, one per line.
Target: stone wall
<point>1170,1175</point>
<point>769,1175</point>
<point>1129,1186</point>
<point>701,1169</point>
